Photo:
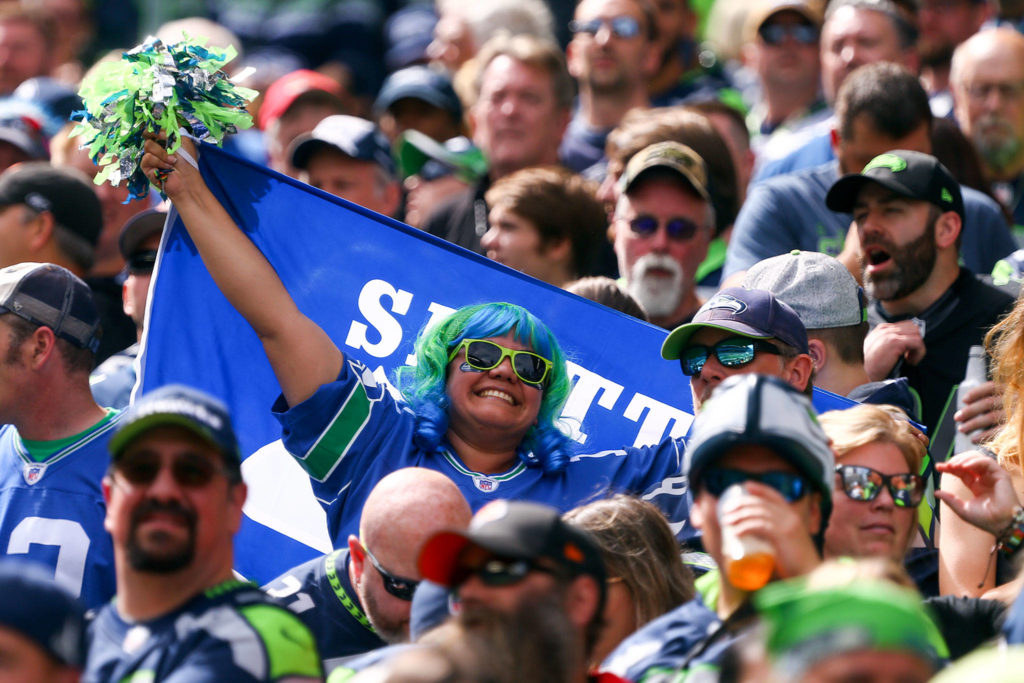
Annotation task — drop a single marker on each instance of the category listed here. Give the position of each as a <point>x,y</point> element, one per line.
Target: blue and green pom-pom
<point>157,88</point>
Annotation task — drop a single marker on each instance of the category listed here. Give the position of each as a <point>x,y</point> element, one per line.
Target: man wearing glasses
<point>174,495</point>
<point>518,556</point>
<point>741,331</point>
<point>758,432</point>
<point>662,226</point>
<point>139,240</point>
<point>611,55</point>
<point>359,598</point>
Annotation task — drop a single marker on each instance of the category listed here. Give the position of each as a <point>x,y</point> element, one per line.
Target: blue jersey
<point>320,593</point>
<point>53,511</point>
<point>231,632</point>
<point>352,432</point>
<point>675,646</point>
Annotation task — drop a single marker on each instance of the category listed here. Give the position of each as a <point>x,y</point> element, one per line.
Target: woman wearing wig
<point>480,404</point>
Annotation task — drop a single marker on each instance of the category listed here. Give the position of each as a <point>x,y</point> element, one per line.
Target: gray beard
<point>659,296</point>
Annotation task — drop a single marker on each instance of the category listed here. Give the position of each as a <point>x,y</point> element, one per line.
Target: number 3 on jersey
<point>70,539</point>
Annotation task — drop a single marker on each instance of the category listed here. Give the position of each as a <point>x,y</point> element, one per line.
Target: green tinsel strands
<point>157,88</point>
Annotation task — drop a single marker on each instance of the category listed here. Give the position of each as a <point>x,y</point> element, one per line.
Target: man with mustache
<point>662,226</point>
<point>926,311</point>
<point>174,494</point>
<point>987,81</point>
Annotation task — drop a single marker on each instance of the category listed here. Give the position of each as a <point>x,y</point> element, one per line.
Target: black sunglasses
<point>622,27</point>
<point>499,571</point>
<point>863,484</point>
<point>792,486</point>
<point>678,229</point>
<point>397,586</point>
<point>188,471</point>
<point>481,354</point>
<point>775,34</point>
<point>731,353</point>
<point>142,262</point>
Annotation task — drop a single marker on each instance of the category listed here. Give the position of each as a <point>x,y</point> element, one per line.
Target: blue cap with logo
<point>754,313</point>
<point>908,174</point>
<point>352,136</point>
<point>179,406</point>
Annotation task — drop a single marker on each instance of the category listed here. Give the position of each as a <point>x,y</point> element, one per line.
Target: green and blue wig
<point>425,385</point>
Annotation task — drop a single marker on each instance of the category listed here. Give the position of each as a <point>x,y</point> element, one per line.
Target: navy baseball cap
<point>179,406</point>
<point>24,132</point>
<point>48,295</point>
<point>516,530</point>
<point>64,192</point>
<point>908,174</point>
<point>419,83</point>
<point>754,313</point>
<point>763,410</point>
<point>138,229</point>
<point>39,609</point>
<point>350,135</point>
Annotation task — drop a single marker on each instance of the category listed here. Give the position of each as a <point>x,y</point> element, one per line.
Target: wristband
<point>1012,538</point>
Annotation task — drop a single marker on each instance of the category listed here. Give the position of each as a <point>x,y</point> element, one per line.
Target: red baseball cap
<point>285,90</point>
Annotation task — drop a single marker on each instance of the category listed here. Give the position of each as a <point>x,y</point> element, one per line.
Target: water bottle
<point>977,373</point>
<point>748,561</point>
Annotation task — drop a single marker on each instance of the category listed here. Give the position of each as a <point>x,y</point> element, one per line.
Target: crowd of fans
<point>805,194</point>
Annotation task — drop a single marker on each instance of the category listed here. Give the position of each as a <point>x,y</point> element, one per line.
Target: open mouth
<point>876,257</point>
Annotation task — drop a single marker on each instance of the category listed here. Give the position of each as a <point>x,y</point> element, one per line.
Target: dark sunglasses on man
<point>733,352</point>
<point>142,262</point>
<point>864,484</point>
<point>678,229</point>
<point>397,586</point>
<point>496,572</point>
<point>790,485</point>
<point>776,34</point>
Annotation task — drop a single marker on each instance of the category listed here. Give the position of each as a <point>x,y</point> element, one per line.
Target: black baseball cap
<point>419,83</point>
<point>138,229</point>
<point>754,313</point>
<point>179,406</point>
<point>64,192</point>
<point>48,295</point>
<point>908,174</point>
<point>515,530</point>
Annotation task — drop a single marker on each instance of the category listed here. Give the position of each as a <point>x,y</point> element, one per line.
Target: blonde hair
<point>1005,345</point>
<point>864,424</point>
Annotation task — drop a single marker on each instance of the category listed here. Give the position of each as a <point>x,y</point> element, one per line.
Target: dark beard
<point>145,561</point>
<point>913,264</point>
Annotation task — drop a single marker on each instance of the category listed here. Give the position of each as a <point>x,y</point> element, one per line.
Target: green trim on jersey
<point>290,647</point>
<point>331,570</point>
<point>41,451</point>
<point>709,586</point>
<point>329,450</point>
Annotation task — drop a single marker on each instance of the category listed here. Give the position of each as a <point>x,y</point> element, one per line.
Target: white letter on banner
<point>372,309</point>
<point>437,312</point>
<point>659,415</point>
<point>586,389</point>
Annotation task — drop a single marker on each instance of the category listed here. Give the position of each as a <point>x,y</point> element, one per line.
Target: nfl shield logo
<point>33,472</point>
<point>486,485</point>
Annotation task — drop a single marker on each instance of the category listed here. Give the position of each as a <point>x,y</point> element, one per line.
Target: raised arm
<point>300,352</point>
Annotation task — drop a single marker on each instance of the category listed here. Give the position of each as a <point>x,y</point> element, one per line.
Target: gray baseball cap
<point>763,410</point>
<point>817,286</point>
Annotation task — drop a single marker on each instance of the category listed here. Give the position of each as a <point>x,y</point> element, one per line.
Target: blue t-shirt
<point>231,632</point>
<point>320,593</point>
<point>788,212</point>
<point>352,432</point>
<point>582,146</point>
<point>53,511</point>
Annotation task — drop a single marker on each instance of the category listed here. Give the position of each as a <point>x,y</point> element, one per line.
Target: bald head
<point>406,508</point>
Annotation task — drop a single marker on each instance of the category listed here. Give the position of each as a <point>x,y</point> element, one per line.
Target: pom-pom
<point>157,88</point>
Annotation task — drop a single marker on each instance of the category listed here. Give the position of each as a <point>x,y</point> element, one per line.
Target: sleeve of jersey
<point>336,433</point>
<point>758,233</point>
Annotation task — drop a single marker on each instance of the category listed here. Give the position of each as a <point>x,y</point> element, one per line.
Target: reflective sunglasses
<point>485,355</point>
<point>731,353</point>
<point>792,486</point>
<point>142,262</point>
<point>678,229</point>
<point>775,34</point>
<point>397,586</point>
<point>864,484</point>
<point>189,471</point>
<point>498,571</point>
<point>621,27</point>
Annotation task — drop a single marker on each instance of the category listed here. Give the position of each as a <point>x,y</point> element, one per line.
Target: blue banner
<point>371,283</point>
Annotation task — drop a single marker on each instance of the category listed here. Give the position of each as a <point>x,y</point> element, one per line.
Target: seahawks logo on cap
<point>726,301</point>
<point>889,161</point>
<point>946,195</point>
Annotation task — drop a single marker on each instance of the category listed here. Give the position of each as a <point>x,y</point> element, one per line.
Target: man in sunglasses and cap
<point>761,434</point>
<point>662,226</point>
<point>174,495</point>
<point>741,331</point>
<point>521,558</point>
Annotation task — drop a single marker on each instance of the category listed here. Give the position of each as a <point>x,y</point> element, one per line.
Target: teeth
<point>497,394</point>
